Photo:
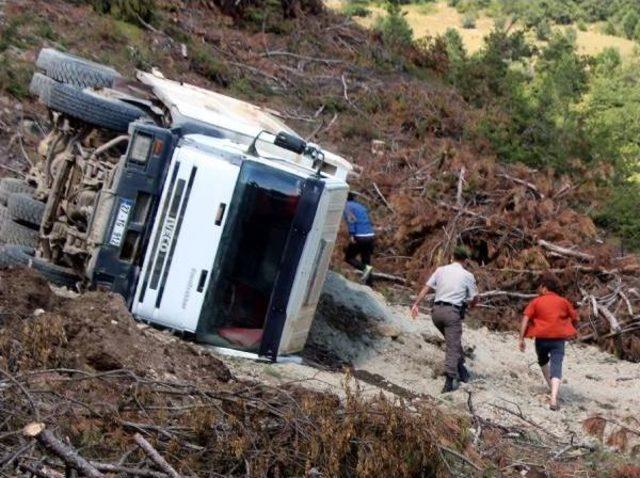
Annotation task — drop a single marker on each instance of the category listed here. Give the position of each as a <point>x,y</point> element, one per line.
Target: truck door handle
<point>220,213</point>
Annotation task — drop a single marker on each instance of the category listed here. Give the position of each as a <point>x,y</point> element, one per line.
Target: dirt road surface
<point>506,388</point>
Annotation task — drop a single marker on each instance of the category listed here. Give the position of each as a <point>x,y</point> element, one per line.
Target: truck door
<point>256,254</point>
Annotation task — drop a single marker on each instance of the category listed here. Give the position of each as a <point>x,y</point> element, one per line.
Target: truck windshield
<point>249,257</point>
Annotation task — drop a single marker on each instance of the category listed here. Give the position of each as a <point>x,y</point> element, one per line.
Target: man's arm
<point>472,292</point>
<point>524,325</point>
<point>415,309</point>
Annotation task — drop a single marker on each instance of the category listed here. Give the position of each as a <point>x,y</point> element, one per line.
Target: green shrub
<point>355,10</point>
<point>394,28</point>
<point>128,10</point>
<point>629,23</point>
<point>581,25</point>
<point>609,29</point>
<point>620,214</point>
<point>543,30</point>
<point>469,20</point>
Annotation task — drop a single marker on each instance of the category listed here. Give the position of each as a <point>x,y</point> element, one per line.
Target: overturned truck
<point>208,214</point>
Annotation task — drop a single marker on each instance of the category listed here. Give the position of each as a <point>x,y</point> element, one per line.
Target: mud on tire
<point>10,186</point>
<point>92,108</point>
<point>24,209</point>
<point>16,256</point>
<point>74,70</point>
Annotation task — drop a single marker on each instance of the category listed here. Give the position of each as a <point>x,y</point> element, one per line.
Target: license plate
<point>120,224</point>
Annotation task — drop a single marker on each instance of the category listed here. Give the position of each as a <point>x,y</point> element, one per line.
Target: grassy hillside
<point>434,18</point>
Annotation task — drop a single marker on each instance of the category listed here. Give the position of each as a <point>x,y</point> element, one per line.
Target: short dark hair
<point>461,253</point>
<point>549,281</point>
<point>351,196</point>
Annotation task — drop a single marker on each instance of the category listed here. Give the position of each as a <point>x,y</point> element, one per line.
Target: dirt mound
<point>95,332</point>
<point>89,372</point>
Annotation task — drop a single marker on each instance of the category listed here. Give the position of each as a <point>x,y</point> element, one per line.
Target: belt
<point>448,304</point>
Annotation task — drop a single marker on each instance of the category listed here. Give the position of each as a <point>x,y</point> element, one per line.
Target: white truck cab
<point>222,224</point>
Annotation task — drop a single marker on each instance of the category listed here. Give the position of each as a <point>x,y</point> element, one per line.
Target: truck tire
<point>74,70</point>
<point>24,209</point>
<point>12,256</point>
<point>92,108</point>
<point>13,233</point>
<point>10,186</point>
<point>40,86</point>
<point>4,214</point>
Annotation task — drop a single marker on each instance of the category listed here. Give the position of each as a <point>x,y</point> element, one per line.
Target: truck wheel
<point>10,186</point>
<point>40,86</point>
<point>13,233</point>
<point>4,214</point>
<point>92,108</point>
<point>12,256</point>
<point>75,70</point>
<point>24,209</point>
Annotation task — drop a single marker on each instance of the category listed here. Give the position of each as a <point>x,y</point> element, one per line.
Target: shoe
<point>554,408</point>
<point>450,385</point>
<point>366,273</point>
<point>464,374</point>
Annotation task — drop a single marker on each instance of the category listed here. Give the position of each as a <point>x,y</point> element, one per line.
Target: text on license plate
<point>121,222</point>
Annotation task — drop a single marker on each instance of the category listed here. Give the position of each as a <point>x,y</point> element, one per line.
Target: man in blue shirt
<point>361,237</point>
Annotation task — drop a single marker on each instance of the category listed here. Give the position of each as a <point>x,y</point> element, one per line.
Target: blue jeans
<point>551,350</point>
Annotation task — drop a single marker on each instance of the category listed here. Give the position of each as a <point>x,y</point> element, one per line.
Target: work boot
<point>463,373</point>
<point>366,274</point>
<point>450,385</point>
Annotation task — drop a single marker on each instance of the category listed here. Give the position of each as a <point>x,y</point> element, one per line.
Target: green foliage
<point>394,28</point>
<point>629,23</point>
<point>356,10</point>
<point>469,20</point>
<point>620,213</point>
<point>609,29</point>
<point>128,10</point>
<point>620,16</point>
<point>15,75</point>
<point>205,63</point>
<point>543,30</point>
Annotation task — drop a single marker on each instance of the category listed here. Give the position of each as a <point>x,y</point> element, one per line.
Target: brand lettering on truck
<point>166,234</point>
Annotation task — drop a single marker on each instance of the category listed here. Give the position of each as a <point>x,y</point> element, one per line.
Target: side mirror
<point>290,142</point>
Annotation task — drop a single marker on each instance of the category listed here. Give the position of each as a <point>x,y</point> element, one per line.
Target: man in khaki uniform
<point>455,290</point>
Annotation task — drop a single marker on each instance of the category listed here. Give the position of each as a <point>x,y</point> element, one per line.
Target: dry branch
<point>70,456</point>
<point>529,185</point>
<point>565,251</point>
<point>155,456</point>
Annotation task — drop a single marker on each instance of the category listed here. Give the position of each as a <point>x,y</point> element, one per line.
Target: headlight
<point>140,148</point>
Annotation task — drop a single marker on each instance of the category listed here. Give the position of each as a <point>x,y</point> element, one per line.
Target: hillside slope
<point>434,181</point>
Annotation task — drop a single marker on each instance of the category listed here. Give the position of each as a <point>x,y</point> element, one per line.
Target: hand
<point>521,345</point>
<point>415,310</point>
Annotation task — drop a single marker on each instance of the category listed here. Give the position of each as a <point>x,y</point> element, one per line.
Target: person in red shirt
<point>550,319</point>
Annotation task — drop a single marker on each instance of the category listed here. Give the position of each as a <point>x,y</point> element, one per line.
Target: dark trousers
<point>448,321</point>
<point>360,246</point>
<point>551,351</point>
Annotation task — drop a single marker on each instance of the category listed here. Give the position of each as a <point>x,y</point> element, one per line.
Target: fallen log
<point>388,277</point>
<point>69,455</point>
<point>506,293</point>
<point>563,251</point>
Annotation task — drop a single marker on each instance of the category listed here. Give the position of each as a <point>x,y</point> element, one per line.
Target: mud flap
<point>302,223</point>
